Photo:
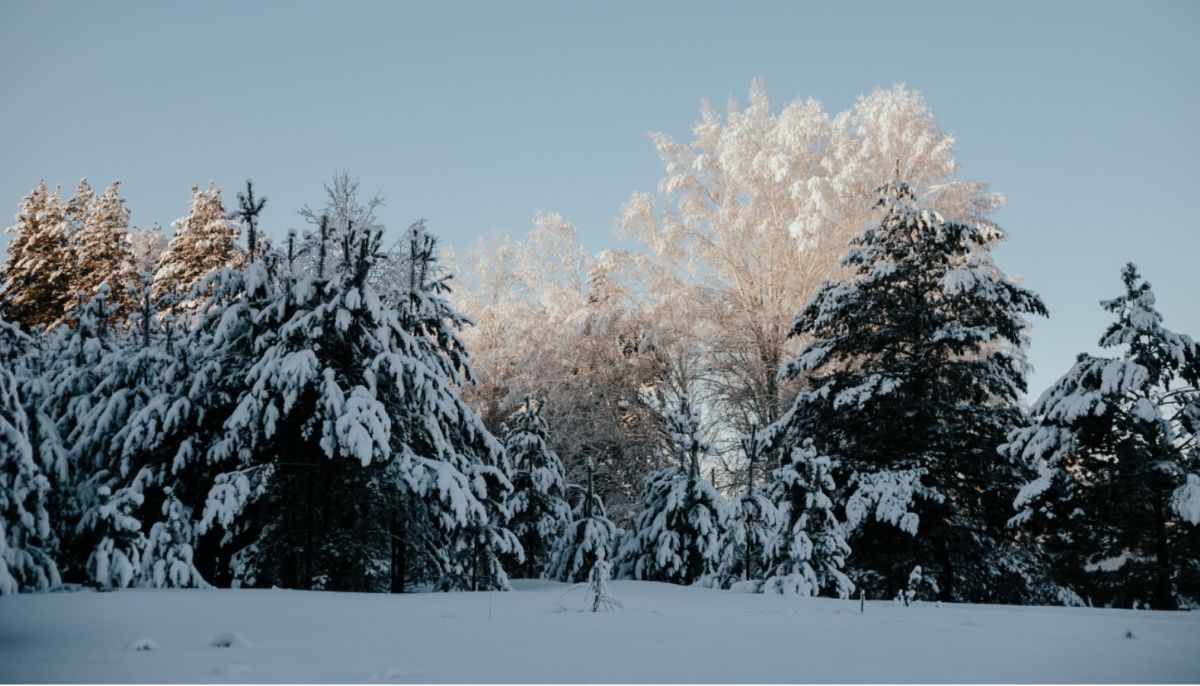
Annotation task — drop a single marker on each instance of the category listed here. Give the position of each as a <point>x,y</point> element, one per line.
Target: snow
<point>1187,500</point>
<point>662,633</point>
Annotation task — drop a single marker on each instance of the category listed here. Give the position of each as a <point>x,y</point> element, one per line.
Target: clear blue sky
<point>477,115</point>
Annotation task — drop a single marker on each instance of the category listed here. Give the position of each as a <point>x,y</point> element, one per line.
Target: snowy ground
<point>664,633</point>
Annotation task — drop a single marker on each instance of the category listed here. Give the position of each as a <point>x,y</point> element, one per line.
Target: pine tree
<point>205,240</point>
<point>678,533</point>
<point>27,540</point>
<point>912,377</point>
<point>753,520</point>
<point>249,208</point>
<point>71,372</point>
<point>103,252</point>
<point>141,531</point>
<point>1115,445</point>
<point>540,514</point>
<point>350,448</point>
<point>587,543</point>
<point>36,276</point>
<point>808,552</point>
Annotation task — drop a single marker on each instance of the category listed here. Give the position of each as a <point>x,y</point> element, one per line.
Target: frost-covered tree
<point>539,512</point>
<point>1115,445</point>
<point>589,540</point>
<point>27,541</point>
<point>102,251</point>
<point>205,240</point>
<point>35,279</point>
<point>753,213</point>
<point>552,319</point>
<point>146,247</point>
<point>678,533</point>
<point>912,374</point>
<point>808,552</point>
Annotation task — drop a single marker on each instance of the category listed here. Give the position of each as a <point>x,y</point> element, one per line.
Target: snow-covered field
<point>663,633</point>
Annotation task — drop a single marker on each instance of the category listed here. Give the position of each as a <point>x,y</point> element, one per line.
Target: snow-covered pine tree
<point>677,535</point>
<point>103,252</point>
<point>205,240</point>
<point>589,540</point>
<point>79,206</point>
<point>478,551</point>
<point>912,377</point>
<point>1115,443</point>
<point>753,520</point>
<point>249,208</point>
<point>350,448</point>
<point>540,514</point>
<point>70,370</point>
<point>27,541</point>
<point>462,443</point>
<point>35,279</point>
<point>808,552</point>
<point>142,532</point>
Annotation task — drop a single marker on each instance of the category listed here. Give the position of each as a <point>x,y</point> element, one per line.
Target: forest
<point>803,374</point>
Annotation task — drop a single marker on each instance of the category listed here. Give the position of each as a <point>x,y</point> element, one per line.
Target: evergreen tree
<point>27,541</point>
<point>205,240</point>
<point>71,372</point>
<point>1115,445</point>
<point>350,447</point>
<point>589,542</point>
<point>912,377</point>
<point>79,208</point>
<point>678,533</point>
<point>753,520</point>
<point>249,208</point>
<point>540,514</point>
<point>141,531</point>
<point>36,276</point>
<point>103,252</point>
<point>808,552</point>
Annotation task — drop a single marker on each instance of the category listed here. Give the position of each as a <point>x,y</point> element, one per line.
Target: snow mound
<point>230,640</point>
<point>140,645</point>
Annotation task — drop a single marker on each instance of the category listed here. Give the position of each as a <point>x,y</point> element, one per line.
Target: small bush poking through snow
<point>230,640</point>
<point>140,645</point>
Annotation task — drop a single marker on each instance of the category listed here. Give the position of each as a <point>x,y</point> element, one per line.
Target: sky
<point>477,115</point>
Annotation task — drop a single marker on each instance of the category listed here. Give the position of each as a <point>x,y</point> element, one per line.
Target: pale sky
<point>476,115</point>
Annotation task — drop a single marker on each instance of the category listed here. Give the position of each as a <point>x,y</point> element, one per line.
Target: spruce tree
<point>27,541</point>
<point>35,279</point>
<point>350,448</point>
<point>808,552</point>
<point>911,378</point>
<point>677,535</point>
<point>249,208</point>
<point>540,514</point>
<point>1115,445</point>
<point>753,520</point>
<point>588,543</point>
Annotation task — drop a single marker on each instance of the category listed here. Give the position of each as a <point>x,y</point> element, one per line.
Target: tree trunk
<point>1164,596</point>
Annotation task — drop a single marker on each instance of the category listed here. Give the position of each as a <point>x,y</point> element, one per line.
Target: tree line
<point>806,378</point>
